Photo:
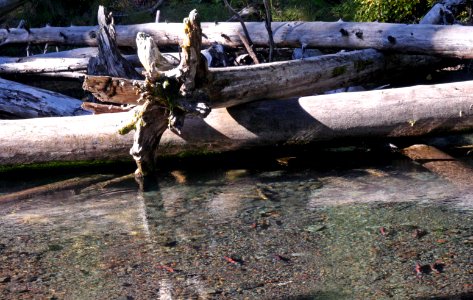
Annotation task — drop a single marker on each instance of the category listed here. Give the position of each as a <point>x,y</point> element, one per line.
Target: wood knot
<point>392,39</point>
<point>359,34</point>
<point>344,32</point>
<point>63,35</point>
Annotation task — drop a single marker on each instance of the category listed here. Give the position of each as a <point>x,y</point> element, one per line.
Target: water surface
<point>287,230</point>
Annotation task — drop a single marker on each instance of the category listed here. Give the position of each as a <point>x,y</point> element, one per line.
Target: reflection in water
<point>358,233</point>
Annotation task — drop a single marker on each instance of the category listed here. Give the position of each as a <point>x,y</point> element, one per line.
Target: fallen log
<point>44,65</point>
<point>63,63</point>
<point>403,112</point>
<point>448,41</point>
<point>279,80</point>
<point>21,101</point>
<point>441,164</point>
<point>98,108</point>
<point>68,184</point>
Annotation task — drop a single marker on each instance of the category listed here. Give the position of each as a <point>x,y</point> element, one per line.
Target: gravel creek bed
<point>371,232</point>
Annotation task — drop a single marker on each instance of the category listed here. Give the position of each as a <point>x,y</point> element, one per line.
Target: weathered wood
<point>109,60</point>
<point>63,62</point>
<point>449,41</point>
<point>98,108</point>
<point>21,101</point>
<point>279,80</point>
<point>441,13</point>
<point>73,183</point>
<point>412,111</point>
<point>441,164</point>
<point>168,96</point>
<point>44,65</point>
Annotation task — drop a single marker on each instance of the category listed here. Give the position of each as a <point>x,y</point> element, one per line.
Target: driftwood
<point>448,41</point>
<point>279,80</point>
<point>62,63</point>
<point>109,60</point>
<point>404,112</point>
<point>168,96</point>
<point>443,13</point>
<point>68,184</point>
<point>44,65</point>
<point>441,163</point>
<point>21,101</point>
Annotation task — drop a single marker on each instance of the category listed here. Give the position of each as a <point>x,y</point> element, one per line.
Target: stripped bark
<point>73,183</point>
<point>168,96</point>
<point>448,41</point>
<point>441,13</point>
<point>61,64</point>
<point>109,60</point>
<point>278,80</point>
<point>44,65</point>
<point>404,112</point>
<point>21,101</point>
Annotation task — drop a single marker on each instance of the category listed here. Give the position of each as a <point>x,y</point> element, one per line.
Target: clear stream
<point>292,228</point>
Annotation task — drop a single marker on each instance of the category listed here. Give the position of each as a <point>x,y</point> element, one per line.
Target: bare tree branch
<point>268,20</point>
<point>250,48</point>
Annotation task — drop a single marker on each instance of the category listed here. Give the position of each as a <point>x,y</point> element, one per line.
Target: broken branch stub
<point>109,61</point>
<point>167,96</point>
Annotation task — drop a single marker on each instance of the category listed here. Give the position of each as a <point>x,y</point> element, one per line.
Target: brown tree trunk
<point>404,112</point>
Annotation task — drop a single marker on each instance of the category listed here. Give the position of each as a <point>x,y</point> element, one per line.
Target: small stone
<point>5,279</point>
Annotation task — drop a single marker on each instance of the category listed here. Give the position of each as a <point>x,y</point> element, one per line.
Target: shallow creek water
<point>367,231</point>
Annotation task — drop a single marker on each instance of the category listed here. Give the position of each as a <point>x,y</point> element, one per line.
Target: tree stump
<point>167,96</point>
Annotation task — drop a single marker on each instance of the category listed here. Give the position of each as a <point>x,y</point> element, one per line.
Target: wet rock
<point>315,228</point>
<point>55,247</point>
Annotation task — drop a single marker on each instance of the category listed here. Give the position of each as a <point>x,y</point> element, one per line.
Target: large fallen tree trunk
<point>21,101</point>
<point>449,41</point>
<point>412,111</point>
<point>278,80</point>
<point>44,65</point>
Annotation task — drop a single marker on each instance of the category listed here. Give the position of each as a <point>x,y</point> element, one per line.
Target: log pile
<point>173,92</point>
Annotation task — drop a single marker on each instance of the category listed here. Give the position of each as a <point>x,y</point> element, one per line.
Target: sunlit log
<point>448,41</point>
<point>405,112</point>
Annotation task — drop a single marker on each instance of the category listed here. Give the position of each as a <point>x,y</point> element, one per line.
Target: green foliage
<point>400,11</point>
<point>303,10</point>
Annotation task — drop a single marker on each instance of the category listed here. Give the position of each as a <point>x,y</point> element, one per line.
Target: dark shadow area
<point>463,296</point>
